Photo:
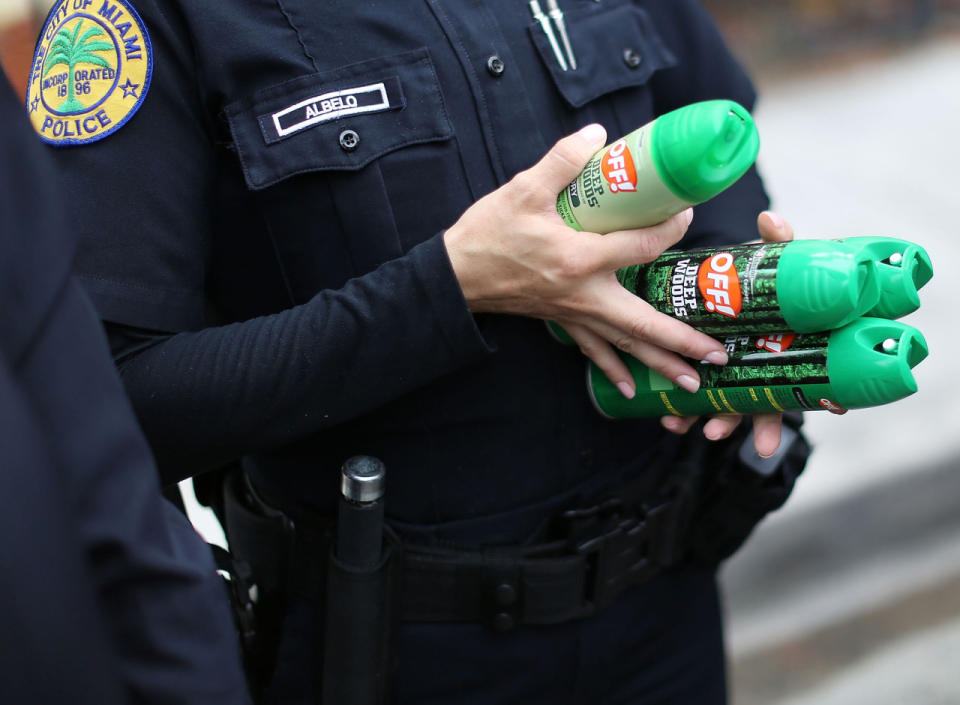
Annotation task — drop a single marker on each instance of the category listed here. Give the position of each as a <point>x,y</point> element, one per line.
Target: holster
<point>360,616</point>
<point>267,538</point>
<point>737,489</point>
<point>357,610</point>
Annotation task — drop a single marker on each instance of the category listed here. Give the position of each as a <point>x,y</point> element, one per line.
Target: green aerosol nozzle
<point>701,149</point>
<point>871,361</point>
<point>824,284</point>
<point>680,159</point>
<point>903,269</point>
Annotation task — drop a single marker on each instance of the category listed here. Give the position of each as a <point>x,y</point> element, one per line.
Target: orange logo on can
<point>776,343</point>
<point>831,407</point>
<point>720,285</point>
<point>618,169</point>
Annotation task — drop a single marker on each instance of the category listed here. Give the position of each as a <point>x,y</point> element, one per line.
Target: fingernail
<point>770,454</point>
<point>626,390</point>
<point>712,434</point>
<point>717,358</point>
<point>688,215</point>
<point>687,382</point>
<point>776,219</point>
<point>593,133</point>
<point>671,423</point>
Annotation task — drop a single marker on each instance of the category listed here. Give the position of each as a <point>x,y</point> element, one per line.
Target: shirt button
<point>495,66</point>
<point>349,140</point>
<point>632,58</point>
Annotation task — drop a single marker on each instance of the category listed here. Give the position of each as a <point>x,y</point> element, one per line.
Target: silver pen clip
<point>548,30</point>
<point>556,14</point>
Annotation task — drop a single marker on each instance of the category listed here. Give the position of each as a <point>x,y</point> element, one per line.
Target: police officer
<point>107,593</point>
<point>321,230</point>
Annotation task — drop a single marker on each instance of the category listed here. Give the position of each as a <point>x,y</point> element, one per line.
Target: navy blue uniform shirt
<point>222,199</point>
<point>107,594</point>
<point>264,236</point>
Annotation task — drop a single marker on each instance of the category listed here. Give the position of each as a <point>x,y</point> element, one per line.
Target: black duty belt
<point>594,554</point>
<point>608,549</point>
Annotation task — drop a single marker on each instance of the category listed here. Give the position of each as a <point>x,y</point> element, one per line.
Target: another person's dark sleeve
<point>54,647</point>
<point>162,606</point>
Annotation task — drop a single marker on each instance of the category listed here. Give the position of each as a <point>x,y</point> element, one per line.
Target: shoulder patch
<point>90,73</point>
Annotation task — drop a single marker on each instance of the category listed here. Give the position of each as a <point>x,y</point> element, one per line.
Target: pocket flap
<point>619,48</point>
<point>340,119</point>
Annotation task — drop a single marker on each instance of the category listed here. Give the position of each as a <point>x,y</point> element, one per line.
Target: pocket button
<point>632,58</point>
<point>349,140</point>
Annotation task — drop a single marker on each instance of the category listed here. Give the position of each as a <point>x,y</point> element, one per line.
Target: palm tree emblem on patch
<point>91,71</point>
<point>73,49</point>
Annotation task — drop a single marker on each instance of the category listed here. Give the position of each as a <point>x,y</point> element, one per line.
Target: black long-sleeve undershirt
<point>207,397</point>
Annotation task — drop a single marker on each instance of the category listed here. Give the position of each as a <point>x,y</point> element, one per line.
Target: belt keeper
<point>504,595</point>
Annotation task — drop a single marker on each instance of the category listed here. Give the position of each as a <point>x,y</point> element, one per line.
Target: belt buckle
<point>615,546</point>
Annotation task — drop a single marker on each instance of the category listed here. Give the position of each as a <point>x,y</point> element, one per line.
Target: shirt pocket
<point>304,124</point>
<point>330,155</point>
<point>618,50</point>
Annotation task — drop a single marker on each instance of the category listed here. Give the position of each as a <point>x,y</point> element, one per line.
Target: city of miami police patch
<point>90,72</point>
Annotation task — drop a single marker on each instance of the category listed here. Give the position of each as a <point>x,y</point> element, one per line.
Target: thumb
<point>773,228</point>
<point>566,159</point>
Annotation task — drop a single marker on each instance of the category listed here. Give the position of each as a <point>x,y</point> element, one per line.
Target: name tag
<point>371,98</point>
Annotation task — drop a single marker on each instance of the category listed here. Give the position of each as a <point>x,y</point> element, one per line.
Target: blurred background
<point>850,593</point>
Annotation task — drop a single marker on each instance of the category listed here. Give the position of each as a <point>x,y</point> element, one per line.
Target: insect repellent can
<point>902,267</point>
<point>802,286</point>
<point>868,362</point>
<point>678,160</point>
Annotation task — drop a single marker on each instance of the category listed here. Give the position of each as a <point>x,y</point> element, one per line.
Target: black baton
<point>360,521</point>
<point>356,650</point>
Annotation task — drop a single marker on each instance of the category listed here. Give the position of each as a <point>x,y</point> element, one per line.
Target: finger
<point>634,321</point>
<point>720,427</point>
<point>666,364</point>
<point>678,424</point>
<point>661,360</point>
<point>566,159</point>
<point>599,348</point>
<point>623,248</point>
<point>603,356</point>
<point>766,433</point>
<point>773,228</point>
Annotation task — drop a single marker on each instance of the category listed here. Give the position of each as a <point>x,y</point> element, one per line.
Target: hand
<point>766,427</point>
<point>512,253</point>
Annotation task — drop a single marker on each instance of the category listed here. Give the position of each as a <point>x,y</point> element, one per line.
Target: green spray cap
<point>701,149</point>
<point>870,361</point>
<point>903,267</point>
<point>825,284</point>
